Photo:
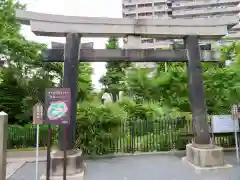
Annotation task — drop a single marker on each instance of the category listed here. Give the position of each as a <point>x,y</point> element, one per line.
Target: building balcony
<point>162,8</point>
<point>206,3</point>
<point>205,11</point>
<point>130,15</point>
<point>161,15</point>
<point>144,9</point>
<point>159,1</point>
<point>128,10</point>
<point>145,16</point>
<point>129,2</point>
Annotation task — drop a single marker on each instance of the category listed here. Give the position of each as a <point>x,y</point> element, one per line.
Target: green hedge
<point>23,137</point>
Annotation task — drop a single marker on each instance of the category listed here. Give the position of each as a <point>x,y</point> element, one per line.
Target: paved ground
<point>12,167</point>
<point>141,167</point>
<point>27,172</point>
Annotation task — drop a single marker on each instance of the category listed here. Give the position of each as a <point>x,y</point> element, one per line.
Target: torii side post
<point>69,54</point>
<point>201,154</point>
<point>70,80</point>
<point>196,91</point>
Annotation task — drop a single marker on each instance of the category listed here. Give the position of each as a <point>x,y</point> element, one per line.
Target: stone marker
<point>3,144</point>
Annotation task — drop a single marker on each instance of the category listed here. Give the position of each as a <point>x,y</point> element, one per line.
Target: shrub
<point>99,127</point>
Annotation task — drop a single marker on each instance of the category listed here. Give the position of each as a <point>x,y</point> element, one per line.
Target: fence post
<point>132,136</point>
<point>3,144</point>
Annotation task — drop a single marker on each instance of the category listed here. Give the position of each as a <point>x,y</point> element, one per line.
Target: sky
<point>90,8</point>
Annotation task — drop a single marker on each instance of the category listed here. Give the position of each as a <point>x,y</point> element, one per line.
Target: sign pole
<point>37,119</point>
<point>49,144</point>
<point>236,139</point>
<point>235,116</point>
<point>65,154</point>
<point>37,152</point>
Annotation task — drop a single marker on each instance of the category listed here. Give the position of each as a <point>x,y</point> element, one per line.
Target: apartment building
<point>204,8</point>
<point>148,9</point>
<point>164,9</point>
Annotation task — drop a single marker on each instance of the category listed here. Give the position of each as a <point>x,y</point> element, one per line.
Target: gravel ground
<point>141,167</point>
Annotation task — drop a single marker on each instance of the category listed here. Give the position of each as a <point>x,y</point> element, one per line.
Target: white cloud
<point>91,8</point>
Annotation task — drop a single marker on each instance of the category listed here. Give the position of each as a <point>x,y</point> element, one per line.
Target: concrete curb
<point>116,155</point>
<point>14,156</point>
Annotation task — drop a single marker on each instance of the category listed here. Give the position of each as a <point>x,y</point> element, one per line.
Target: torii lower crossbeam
<point>133,55</point>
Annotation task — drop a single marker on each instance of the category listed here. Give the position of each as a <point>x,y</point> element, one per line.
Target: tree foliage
<point>24,79</point>
<point>85,81</point>
<point>115,75</point>
<point>221,83</point>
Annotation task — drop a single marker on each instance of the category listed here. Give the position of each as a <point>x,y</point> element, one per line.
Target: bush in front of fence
<point>123,127</point>
<point>99,127</point>
<point>126,127</point>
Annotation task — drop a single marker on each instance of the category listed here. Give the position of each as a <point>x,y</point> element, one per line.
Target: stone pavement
<point>12,167</point>
<point>141,167</point>
<point>155,167</point>
<point>27,171</point>
<point>16,161</point>
<point>25,156</point>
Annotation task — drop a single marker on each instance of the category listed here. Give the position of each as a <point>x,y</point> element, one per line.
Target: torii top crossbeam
<point>59,25</point>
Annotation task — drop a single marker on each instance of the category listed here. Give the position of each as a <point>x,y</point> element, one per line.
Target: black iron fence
<point>126,137</point>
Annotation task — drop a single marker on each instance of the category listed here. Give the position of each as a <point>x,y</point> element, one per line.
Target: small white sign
<point>224,124</point>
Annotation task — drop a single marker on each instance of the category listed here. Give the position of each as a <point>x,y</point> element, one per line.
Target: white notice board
<point>223,124</point>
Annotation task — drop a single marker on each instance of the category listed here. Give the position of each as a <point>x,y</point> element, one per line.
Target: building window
<point>145,5</point>
<point>169,13</point>
<point>130,15</point>
<point>147,40</point>
<point>159,14</point>
<point>159,3</point>
<point>130,6</point>
<point>145,14</point>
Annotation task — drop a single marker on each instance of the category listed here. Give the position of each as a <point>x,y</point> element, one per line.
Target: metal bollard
<point>3,144</point>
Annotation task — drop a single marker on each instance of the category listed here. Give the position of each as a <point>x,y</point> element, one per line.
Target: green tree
<point>170,88</point>
<point>85,81</point>
<point>24,62</point>
<point>115,75</point>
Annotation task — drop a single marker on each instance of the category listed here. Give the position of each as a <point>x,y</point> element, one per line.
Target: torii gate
<point>200,153</point>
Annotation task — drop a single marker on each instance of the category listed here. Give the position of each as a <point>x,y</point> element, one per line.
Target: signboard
<point>57,106</point>
<point>224,124</point>
<point>38,113</point>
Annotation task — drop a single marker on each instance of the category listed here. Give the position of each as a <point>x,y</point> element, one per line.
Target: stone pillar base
<point>205,157</point>
<point>75,165</point>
